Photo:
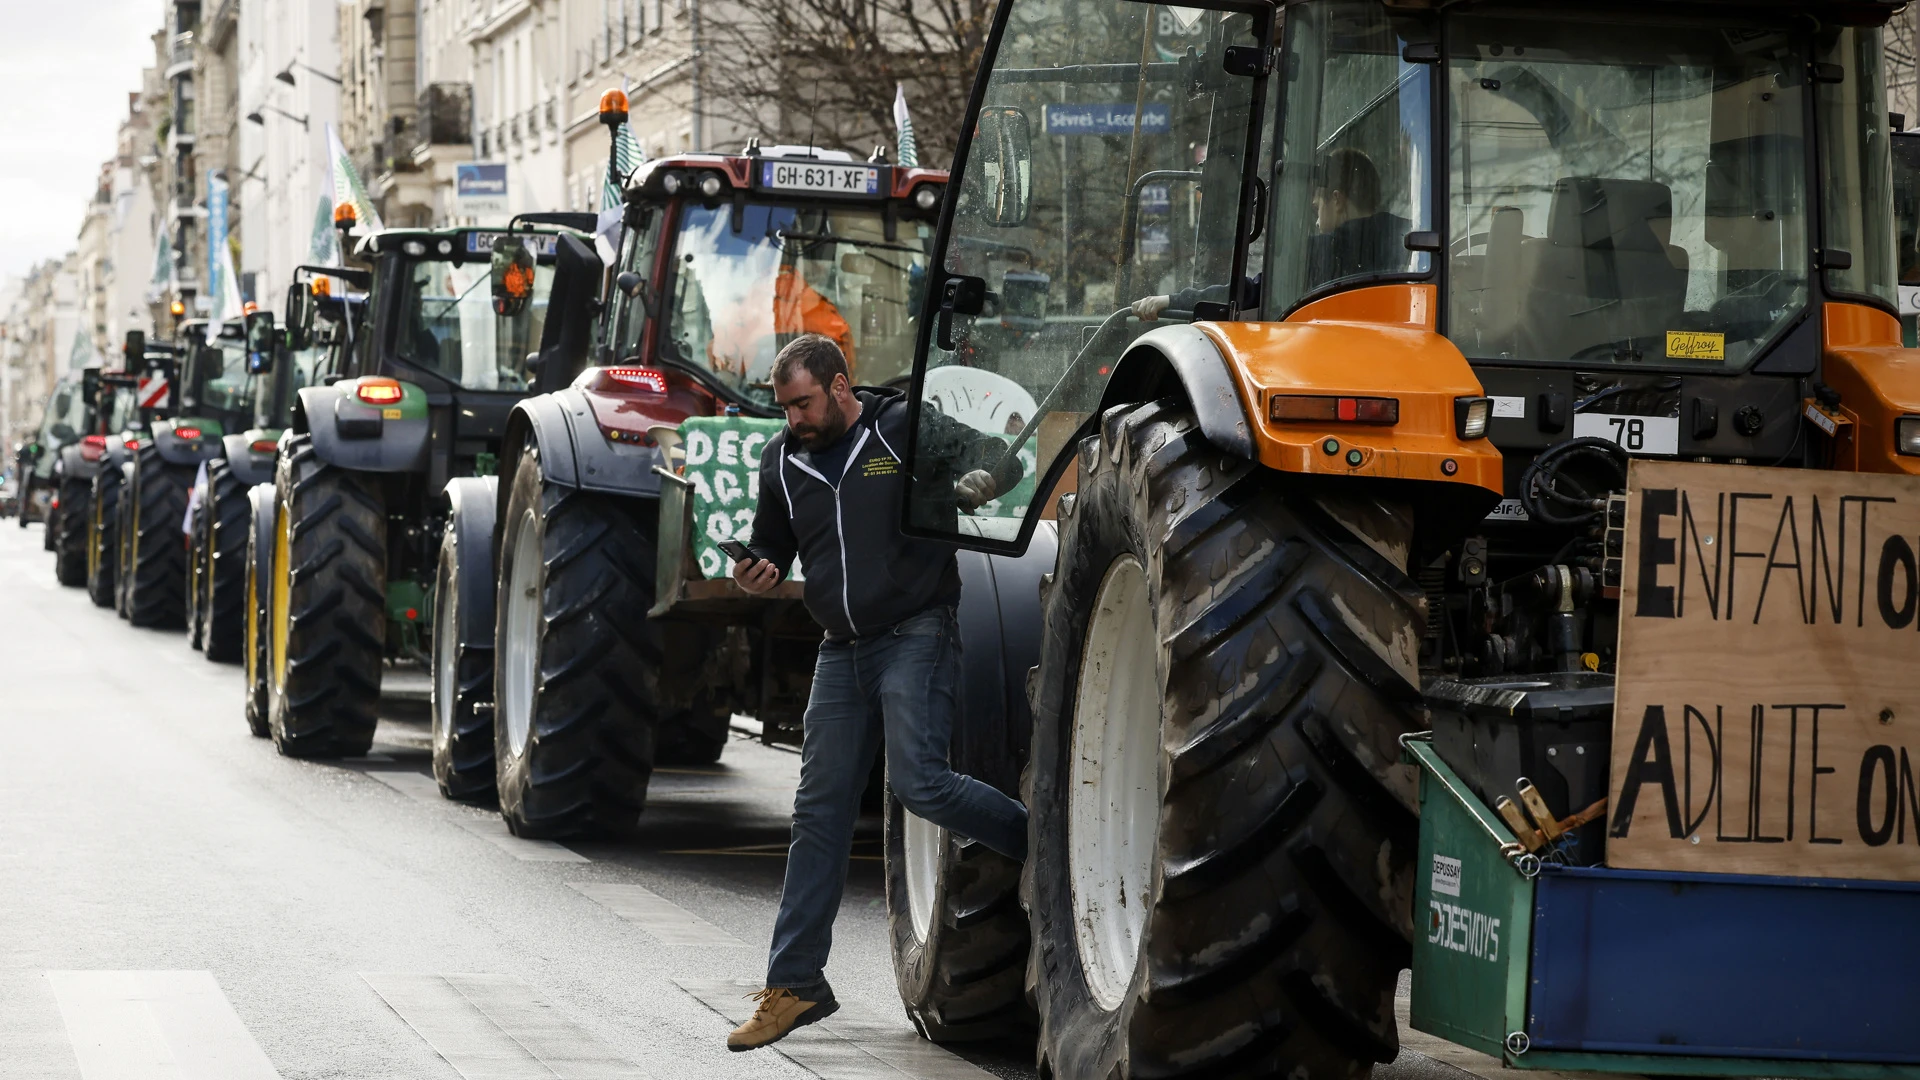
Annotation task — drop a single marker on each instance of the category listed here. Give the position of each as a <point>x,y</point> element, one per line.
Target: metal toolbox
<point>1588,968</point>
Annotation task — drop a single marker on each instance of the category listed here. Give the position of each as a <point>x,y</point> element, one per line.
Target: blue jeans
<point>897,684</point>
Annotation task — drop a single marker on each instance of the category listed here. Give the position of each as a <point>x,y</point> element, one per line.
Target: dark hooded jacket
<point>863,575</point>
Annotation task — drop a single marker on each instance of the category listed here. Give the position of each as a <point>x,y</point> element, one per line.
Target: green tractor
<point>245,380</point>
<point>419,378</point>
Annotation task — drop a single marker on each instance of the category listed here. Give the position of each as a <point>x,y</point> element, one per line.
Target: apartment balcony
<point>180,55</point>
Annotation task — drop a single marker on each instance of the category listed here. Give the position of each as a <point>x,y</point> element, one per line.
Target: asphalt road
<point>177,900</point>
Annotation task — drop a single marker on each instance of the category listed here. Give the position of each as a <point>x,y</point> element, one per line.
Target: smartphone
<point>737,551</point>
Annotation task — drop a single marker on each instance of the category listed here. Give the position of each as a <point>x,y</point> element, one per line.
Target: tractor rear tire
<point>696,735</point>
<point>254,650</point>
<point>1255,632</point>
<point>223,603</point>
<point>157,585</point>
<point>462,684</point>
<point>102,525</point>
<point>198,565</point>
<point>69,530</point>
<point>574,685</point>
<point>958,936</point>
<point>123,503</point>
<point>328,606</point>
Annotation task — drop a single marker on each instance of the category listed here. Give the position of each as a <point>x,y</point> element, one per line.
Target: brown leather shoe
<point>779,1012</point>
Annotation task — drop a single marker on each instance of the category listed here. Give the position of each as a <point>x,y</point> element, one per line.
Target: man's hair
<point>818,356</point>
<point>1352,173</point>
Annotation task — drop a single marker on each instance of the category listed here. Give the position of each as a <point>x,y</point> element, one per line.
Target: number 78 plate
<point>1652,435</point>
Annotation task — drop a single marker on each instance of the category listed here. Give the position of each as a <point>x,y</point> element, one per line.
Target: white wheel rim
<point>1113,801</point>
<point>445,676</point>
<point>921,842</point>
<point>521,650</point>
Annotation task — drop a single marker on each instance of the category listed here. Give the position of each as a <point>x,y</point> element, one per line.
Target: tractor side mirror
<point>1003,146</point>
<point>299,317</point>
<point>90,387</point>
<point>629,283</point>
<point>260,343</point>
<point>513,264</point>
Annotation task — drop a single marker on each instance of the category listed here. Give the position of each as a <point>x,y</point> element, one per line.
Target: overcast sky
<point>66,68</point>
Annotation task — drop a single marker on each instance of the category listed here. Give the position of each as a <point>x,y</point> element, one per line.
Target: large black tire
<point>224,524</point>
<point>157,586</point>
<point>255,650</point>
<point>328,617</point>
<point>462,683</point>
<point>958,935</point>
<point>1280,876</point>
<point>68,528</point>
<point>199,565</point>
<point>123,503</point>
<point>103,537</point>
<point>696,735</point>
<point>576,680</point>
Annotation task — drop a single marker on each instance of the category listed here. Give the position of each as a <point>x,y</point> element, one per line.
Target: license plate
<point>1655,435</point>
<point>481,243</point>
<point>807,176</point>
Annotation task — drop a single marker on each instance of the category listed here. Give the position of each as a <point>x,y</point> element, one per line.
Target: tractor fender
<point>260,520</point>
<point>470,516</point>
<point>74,464</point>
<point>351,435</point>
<point>1000,626</point>
<point>1179,355</point>
<point>248,467</point>
<point>116,453</point>
<point>573,452</point>
<point>177,451</point>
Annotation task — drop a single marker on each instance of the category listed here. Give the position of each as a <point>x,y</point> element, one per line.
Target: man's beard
<point>825,434</point>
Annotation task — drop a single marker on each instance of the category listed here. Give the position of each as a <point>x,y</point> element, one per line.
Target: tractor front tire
<point>222,604</point>
<point>102,525</point>
<point>157,583</point>
<point>1220,882</point>
<point>958,936</point>
<point>255,652</point>
<point>462,684</point>
<point>574,683</point>
<point>328,618</point>
<point>69,530</point>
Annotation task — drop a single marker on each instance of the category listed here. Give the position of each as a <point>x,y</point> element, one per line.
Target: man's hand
<point>1148,308</point>
<point>756,575</point>
<point>975,488</point>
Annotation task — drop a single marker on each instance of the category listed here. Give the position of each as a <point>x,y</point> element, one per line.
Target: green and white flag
<point>227,305</point>
<point>324,247</point>
<point>908,151</point>
<point>81,356</point>
<point>347,186</point>
<point>162,263</point>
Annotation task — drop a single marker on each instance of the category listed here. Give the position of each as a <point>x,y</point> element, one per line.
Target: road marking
<point>136,1025</point>
<point>667,921</point>
<point>856,1043</point>
<point>495,831</point>
<point>495,1027</point>
<point>409,783</point>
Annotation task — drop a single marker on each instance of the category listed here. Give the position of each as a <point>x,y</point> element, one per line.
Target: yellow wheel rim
<point>93,539</point>
<point>282,596</point>
<point>253,630</point>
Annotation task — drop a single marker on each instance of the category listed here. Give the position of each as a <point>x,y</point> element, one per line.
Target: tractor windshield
<point>1625,192</point>
<point>221,386</point>
<point>739,295</point>
<point>1906,219</point>
<point>123,413</point>
<point>447,324</point>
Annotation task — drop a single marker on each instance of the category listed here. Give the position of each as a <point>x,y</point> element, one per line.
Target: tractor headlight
<point>1470,417</point>
<point>670,183</point>
<point>711,185</point>
<point>1906,435</point>
<point>926,196</point>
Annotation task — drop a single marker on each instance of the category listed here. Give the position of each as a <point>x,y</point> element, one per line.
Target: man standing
<point>830,491</point>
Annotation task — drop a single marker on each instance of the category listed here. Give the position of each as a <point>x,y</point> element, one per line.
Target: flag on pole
<point>226,298</point>
<point>323,249</point>
<point>627,157</point>
<point>347,187</point>
<point>162,263</point>
<point>907,150</point>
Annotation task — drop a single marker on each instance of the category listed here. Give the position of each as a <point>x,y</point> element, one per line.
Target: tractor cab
<point>727,257</point>
<point>1906,219</point>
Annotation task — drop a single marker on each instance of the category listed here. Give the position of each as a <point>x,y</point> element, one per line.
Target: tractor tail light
<point>264,446</point>
<point>379,391</point>
<point>1313,408</point>
<point>186,433</point>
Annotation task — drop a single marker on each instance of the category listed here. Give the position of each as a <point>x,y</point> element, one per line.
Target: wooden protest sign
<point>1767,717</point>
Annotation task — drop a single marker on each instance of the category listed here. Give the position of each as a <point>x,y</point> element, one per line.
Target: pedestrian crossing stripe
<point>150,1025</point>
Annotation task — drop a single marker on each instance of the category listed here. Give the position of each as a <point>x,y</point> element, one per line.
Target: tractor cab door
<point>1107,158</point>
